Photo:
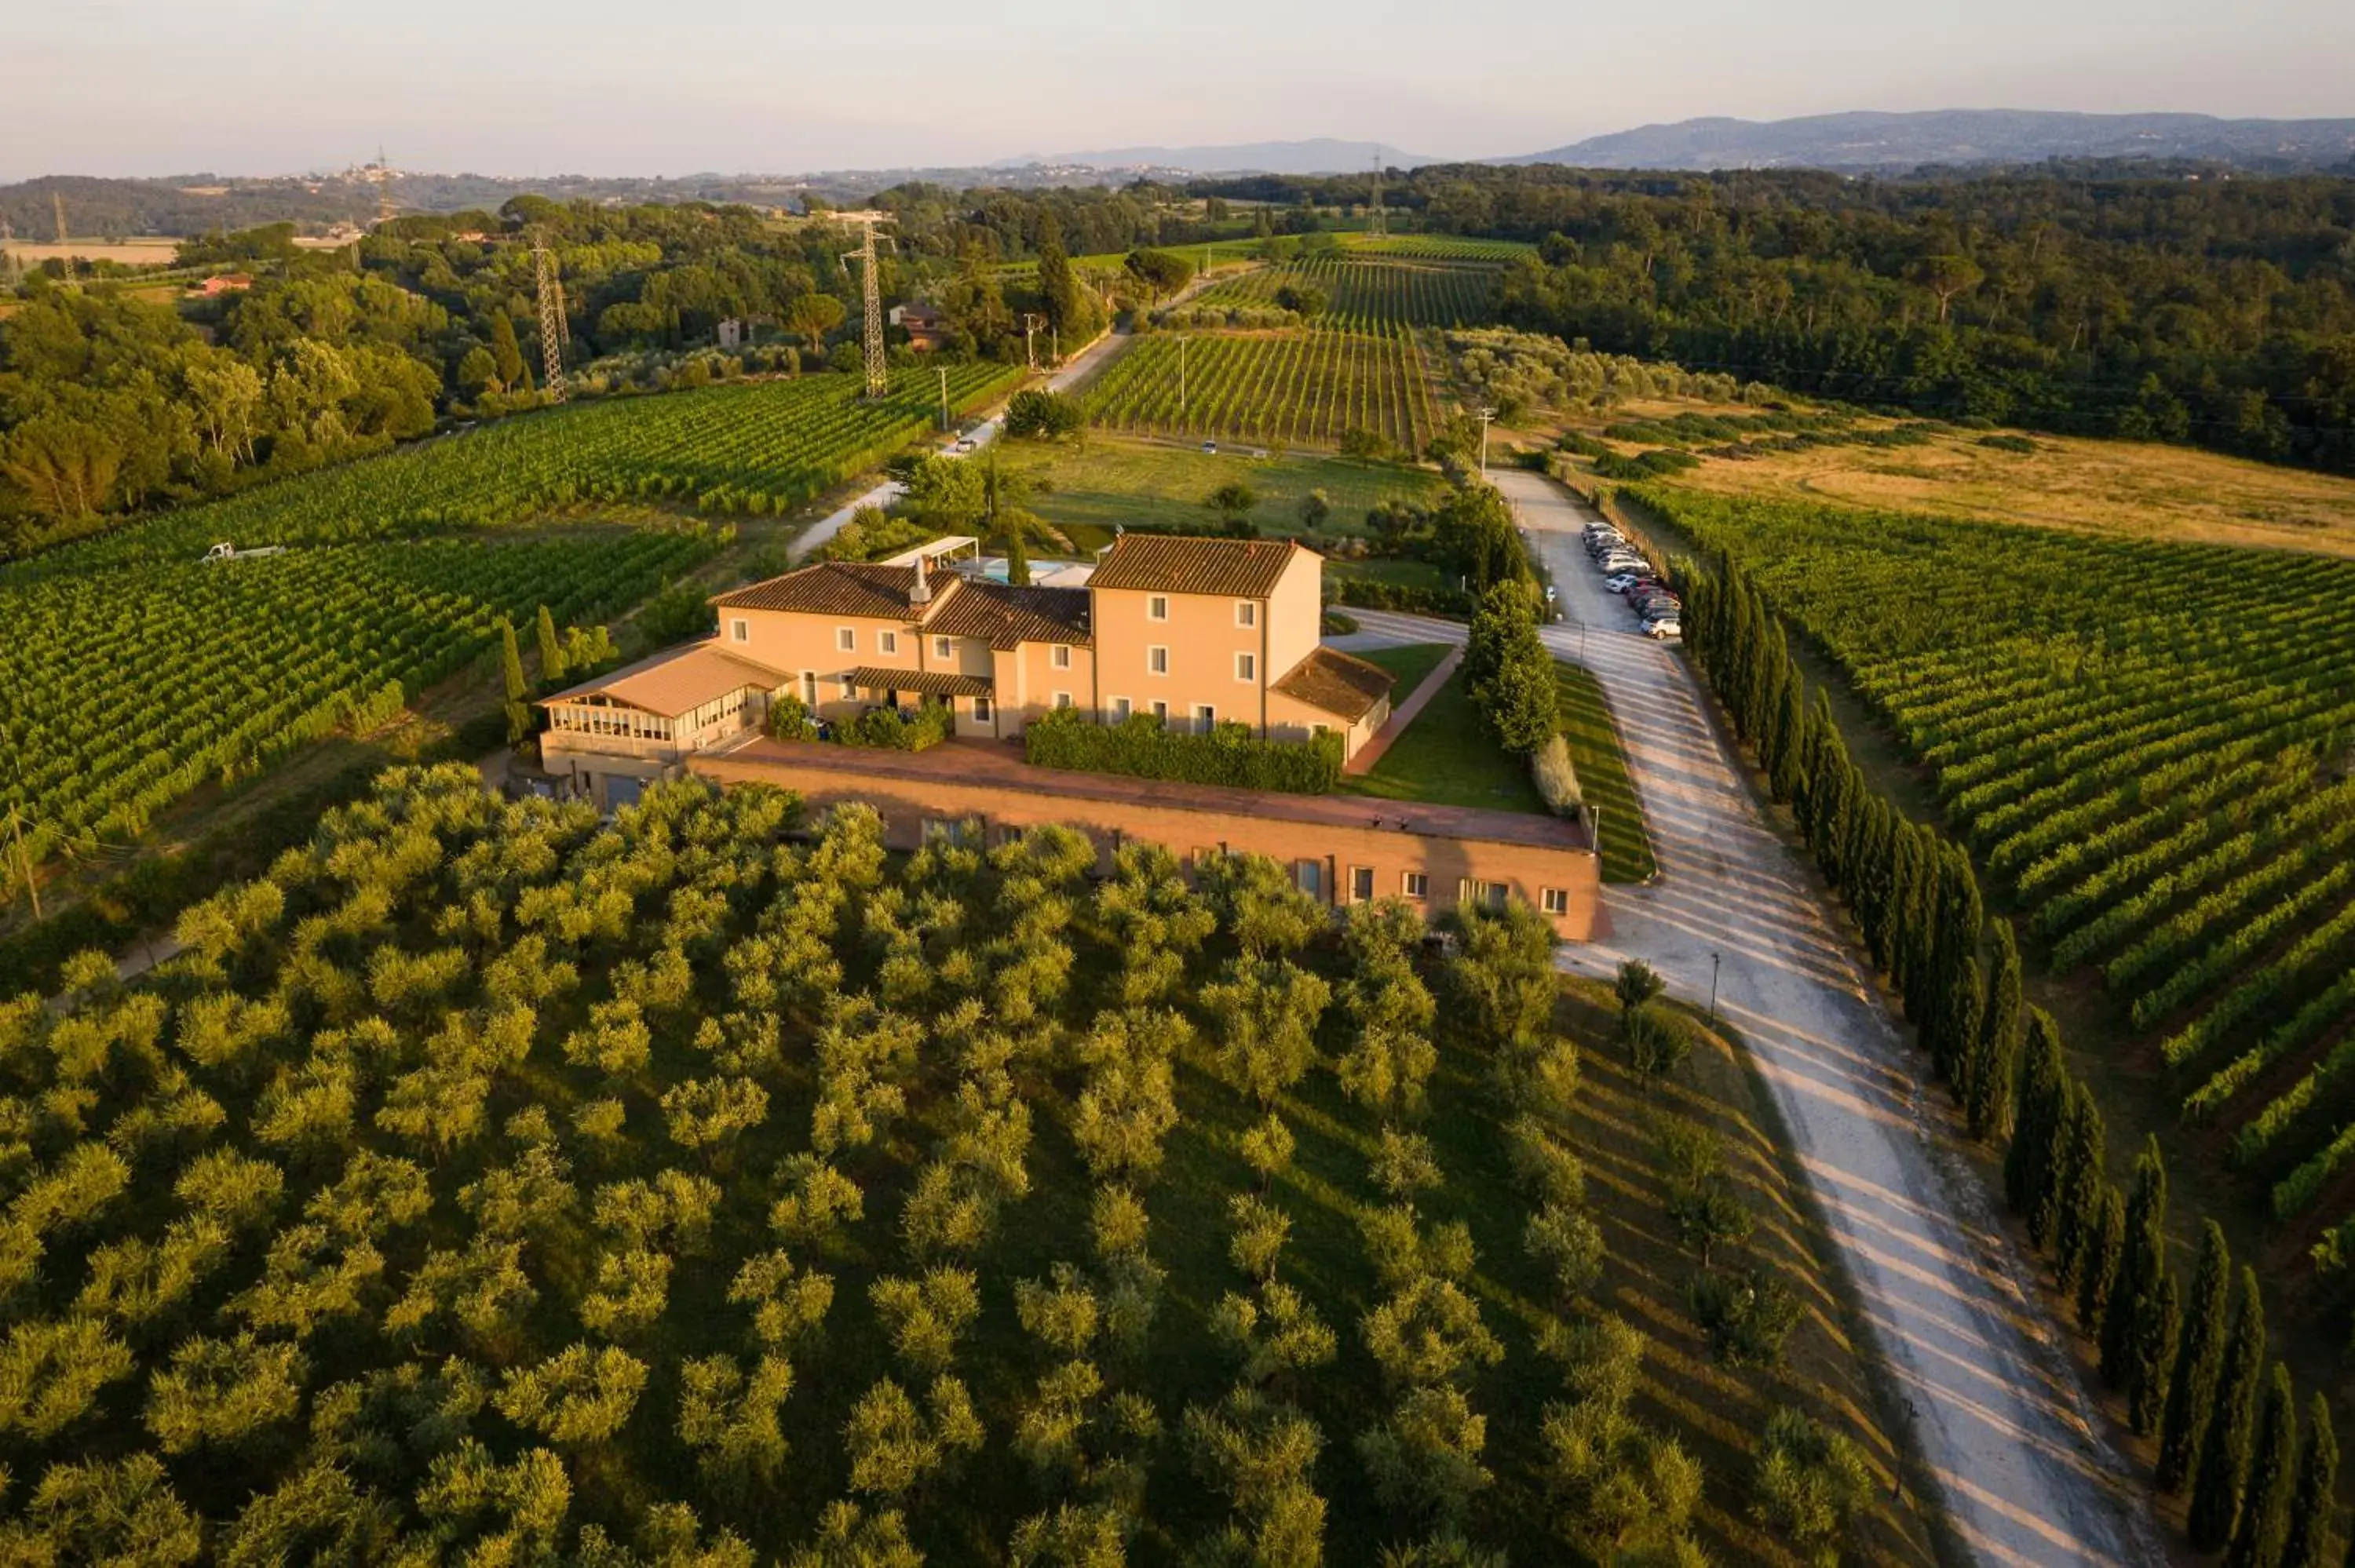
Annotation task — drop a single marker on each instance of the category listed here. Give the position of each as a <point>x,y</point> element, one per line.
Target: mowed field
<point>148,252</point>
<point>2138,489</point>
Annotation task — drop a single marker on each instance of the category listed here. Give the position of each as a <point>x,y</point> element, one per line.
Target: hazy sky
<point>144,86</point>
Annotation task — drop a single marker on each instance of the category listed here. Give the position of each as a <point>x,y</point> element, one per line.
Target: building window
<point>1156,660</point>
<point>1309,875</point>
<point>1119,710</point>
<point>1472,893</point>
<point>942,648</point>
<point>1246,666</point>
<point>1206,718</point>
<point>846,641</point>
<point>1361,884</point>
<point>1062,699</point>
<point>1161,710</point>
<point>887,642</point>
<point>1554,900</point>
<point>740,629</point>
<point>1414,884</point>
<point>1061,657</point>
<point>1246,613</point>
<point>981,710</point>
<point>1157,607</point>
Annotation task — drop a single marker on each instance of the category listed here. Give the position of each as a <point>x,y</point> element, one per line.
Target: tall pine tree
<point>2097,1274</point>
<point>2157,1328</point>
<point>2218,1481</point>
<point>1956,1005</point>
<point>2077,1183</point>
<point>1996,1066</point>
<point>2145,1256</point>
<point>2307,1539</point>
<point>2027,1163</point>
<point>2273,1475</point>
<point>1789,766</point>
<point>551,651</point>
<point>2192,1386</point>
<point>511,669</point>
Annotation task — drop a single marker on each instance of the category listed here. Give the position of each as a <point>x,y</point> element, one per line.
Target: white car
<point>1664,630</point>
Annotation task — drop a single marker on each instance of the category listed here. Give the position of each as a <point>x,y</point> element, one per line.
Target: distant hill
<point>1865,141</point>
<point>1317,155</point>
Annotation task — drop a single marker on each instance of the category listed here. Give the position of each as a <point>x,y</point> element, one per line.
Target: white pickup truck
<point>225,551</point>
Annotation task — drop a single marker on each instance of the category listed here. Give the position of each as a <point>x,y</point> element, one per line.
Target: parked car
<point>1663,630</point>
<point>1211,447</point>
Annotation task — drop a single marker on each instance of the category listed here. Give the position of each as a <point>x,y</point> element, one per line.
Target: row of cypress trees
<point>2198,1381</point>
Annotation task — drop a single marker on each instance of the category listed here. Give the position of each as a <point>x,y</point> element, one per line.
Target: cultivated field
<point>489,1176</point>
<point>1112,481</point>
<point>2148,746</point>
<point>156,252</point>
<point>148,672</point>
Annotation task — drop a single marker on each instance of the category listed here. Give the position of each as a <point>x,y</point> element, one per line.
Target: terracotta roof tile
<point>1007,617</point>
<point>1160,563</point>
<point>1337,683</point>
<point>833,588</point>
<point>676,681</point>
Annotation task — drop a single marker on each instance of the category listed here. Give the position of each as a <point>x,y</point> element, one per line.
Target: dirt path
<point>1994,1398</point>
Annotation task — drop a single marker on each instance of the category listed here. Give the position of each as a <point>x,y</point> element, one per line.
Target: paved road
<point>1995,1401</point>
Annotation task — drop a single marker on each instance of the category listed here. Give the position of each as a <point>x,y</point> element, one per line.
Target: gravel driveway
<point>1996,1404</point>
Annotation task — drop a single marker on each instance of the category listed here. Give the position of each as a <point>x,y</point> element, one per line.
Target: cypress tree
<point>511,666</point>
<point>1789,773</point>
<point>1904,866</point>
<point>2217,1481</point>
<point>2159,1328</point>
<point>2077,1186</point>
<point>2191,1389</point>
<point>1996,1063</point>
<point>2312,1504</point>
<point>2097,1275</point>
<point>1775,679</point>
<point>1873,881</point>
<point>1857,850</point>
<point>505,351</point>
<point>551,651</point>
<point>2043,1092</point>
<point>1751,680</point>
<point>1057,291</point>
<point>2264,1496</point>
<point>1920,929</point>
<point>1837,773</point>
<point>2145,1221</point>
<point>1955,1010</point>
<point>1823,738</point>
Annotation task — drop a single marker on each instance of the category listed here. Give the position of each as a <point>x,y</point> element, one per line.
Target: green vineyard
<point>1300,388</point>
<point>2151,745</point>
<point>137,685</point>
<point>141,672</point>
<point>755,447</point>
<point>1368,295</point>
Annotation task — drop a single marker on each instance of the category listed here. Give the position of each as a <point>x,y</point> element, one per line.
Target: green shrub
<point>1143,746</point>
<point>1413,598</point>
<point>789,720</point>
<point>894,729</point>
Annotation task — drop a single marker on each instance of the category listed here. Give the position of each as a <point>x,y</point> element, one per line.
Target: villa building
<point>1194,631</point>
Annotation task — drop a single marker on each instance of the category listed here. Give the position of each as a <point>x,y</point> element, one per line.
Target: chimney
<point>922,592</point>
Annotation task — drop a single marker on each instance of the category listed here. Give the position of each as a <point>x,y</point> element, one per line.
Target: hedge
<point>1142,747</point>
<point>1415,598</point>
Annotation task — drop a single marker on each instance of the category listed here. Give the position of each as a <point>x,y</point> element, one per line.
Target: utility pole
<point>879,372</point>
<point>58,205</point>
<point>1031,323</point>
<point>1485,414</point>
<point>25,859</point>
<point>1714,960</point>
<point>552,332</point>
<point>944,396</point>
<point>1376,223</point>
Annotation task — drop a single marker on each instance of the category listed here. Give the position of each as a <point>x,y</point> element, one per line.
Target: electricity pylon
<point>879,375</point>
<point>1378,224</point>
<point>552,334</point>
<point>58,204</point>
<point>9,265</point>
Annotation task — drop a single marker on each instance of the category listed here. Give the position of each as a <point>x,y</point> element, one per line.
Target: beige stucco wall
<point>1027,681</point>
<point>1203,639</point>
<point>1295,613</point>
<point>1289,718</point>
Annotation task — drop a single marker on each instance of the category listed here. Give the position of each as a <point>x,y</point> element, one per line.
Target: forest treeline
<point>2211,310</point>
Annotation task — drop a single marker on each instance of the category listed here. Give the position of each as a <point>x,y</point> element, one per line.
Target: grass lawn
<point>1400,574</point>
<point>1444,757</point>
<point>1091,488</point>
<point>1595,751</point>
